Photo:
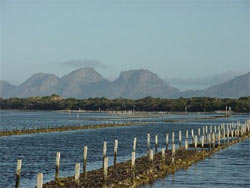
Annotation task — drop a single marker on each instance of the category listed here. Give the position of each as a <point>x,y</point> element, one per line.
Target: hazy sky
<point>174,38</point>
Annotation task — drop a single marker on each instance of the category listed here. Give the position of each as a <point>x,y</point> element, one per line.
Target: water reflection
<point>227,168</point>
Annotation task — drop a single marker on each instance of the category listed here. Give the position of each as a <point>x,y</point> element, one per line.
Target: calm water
<point>38,151</point>
<point>41,119</point>
<point>10,120</point>
<point>227,168</point>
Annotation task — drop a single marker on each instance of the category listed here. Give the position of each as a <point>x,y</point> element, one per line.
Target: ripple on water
<point>227,168</point>
<point>38,153</point>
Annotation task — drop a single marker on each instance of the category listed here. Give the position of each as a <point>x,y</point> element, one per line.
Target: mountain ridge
<point>234,88</point>
<point>87,82</point>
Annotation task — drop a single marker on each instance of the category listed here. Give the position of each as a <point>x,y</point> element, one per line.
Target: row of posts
<point>233,130</point>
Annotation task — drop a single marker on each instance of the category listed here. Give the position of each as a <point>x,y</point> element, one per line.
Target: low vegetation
<point>195,104</point>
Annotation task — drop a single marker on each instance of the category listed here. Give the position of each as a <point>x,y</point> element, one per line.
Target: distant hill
<point>39,84</point>
<point>86,82</point>
<point>82,83</point>
<point>202,82</point>
<point>237,87</point>
<point>141,83</point>
<point>5,88</point>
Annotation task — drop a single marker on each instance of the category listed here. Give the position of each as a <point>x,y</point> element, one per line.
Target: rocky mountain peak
<point>84,75</point>
<point>140,75</point>
<point>39,78</point>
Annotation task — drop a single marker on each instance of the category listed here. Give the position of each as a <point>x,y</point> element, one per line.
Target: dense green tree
<point>195,104</point>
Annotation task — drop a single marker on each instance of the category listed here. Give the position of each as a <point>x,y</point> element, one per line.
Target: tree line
<point>194,104</point>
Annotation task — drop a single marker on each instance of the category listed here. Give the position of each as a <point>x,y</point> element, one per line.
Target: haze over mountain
<point>237,87</point>
<point>5,88</point>
<point>141,83</point>
<point>82,83</point>
<point>86,82</point>
<point>202,82</point>
<point>39,84</point>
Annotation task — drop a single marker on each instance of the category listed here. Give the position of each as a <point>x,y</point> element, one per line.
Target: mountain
<point>134,84</point>
<point>82,83</point>
<point>141,83</point>
<point>5,88</point>
<point>39,84</point>
<point>235,88</point>
<point>203,82</point>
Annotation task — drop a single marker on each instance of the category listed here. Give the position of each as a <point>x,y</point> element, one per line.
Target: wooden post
<point>232,135</point>
<point>224,135</point>
<point>156,143</point>
<point>202,142</point>
<point>209,140</point>
<point>133,166</point>
<point>234,131</point>
<point>151,159</point>
<point>172,137</point>
<point>215,129</point>
<point>199,135</point>
<point>77,173</point>
<point>57,166</point>
<point>148,144</point>
<point>173,153</point>
<point>105,171</point>
<point>39,180</point>
<point>85,154</point>
<point>186,141</point>
<point>163,158</point>
<point>192,135</point>
<point>213,139</point>
<point>195,142</point>
<point>134,145</point>
<point>166,142</point>
<point>186,145</point>
<point>218,137</point>
<point>115,151</point>
<point>18,173</point>
<point>104,152</point>
<point>180,139</point>
<point>187,135</point>
<point>227,136</point>
<point>238,132</point>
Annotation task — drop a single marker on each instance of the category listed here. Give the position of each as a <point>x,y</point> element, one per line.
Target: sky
<point>173,38</point>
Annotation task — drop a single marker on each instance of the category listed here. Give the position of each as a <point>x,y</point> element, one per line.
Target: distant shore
<point>147,104</point>
<point>85,127</point>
